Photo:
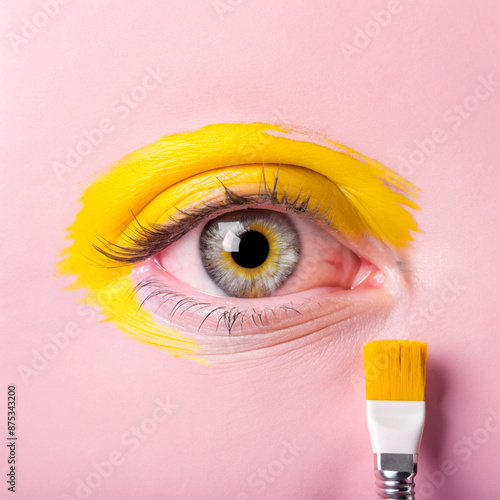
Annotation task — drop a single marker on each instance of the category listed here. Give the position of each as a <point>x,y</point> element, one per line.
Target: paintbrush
<point>395,406</point>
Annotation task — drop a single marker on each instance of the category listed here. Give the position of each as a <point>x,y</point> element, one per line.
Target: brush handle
<point>395,475</point>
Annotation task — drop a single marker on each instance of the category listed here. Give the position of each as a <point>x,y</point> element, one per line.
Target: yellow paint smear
<point>359,195</point>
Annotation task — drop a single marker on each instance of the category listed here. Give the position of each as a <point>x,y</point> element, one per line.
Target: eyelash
<point>228,315</point>
<point>148,241</point>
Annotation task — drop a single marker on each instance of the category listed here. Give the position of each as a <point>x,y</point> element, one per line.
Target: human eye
<point>254,240</point>
<point>257,253</point>
<point>275,249</point>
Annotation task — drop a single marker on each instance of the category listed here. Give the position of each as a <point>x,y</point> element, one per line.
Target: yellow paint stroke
<point>361,196</point>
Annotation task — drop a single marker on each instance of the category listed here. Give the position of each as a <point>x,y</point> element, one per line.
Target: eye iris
<point>253,250</point>
<point>249,253</point>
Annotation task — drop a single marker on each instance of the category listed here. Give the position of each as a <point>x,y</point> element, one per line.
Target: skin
<point>288,421</point>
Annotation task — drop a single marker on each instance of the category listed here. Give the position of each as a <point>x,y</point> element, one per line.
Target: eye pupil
<point>253,250</point>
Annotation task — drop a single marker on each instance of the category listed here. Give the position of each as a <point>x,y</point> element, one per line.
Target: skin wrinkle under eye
<point>187,172</point>
<point>286,332</point>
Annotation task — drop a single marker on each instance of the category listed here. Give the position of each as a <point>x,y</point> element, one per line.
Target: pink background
<point>279,62</point>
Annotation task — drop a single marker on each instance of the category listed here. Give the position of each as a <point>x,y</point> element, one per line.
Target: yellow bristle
<point>395,370</point>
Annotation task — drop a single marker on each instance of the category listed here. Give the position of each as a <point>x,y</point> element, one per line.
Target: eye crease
<point>194,232</point>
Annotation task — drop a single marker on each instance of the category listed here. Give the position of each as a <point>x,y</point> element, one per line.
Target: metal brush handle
<point>395,475</point>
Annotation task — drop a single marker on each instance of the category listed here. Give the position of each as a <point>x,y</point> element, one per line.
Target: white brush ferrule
<point>395,426</point>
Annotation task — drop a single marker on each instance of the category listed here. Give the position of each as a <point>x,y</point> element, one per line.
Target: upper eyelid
<point>147,240</point>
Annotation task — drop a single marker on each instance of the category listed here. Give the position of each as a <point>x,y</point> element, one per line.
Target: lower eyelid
<point>175,305</point>
<point>284,329</point>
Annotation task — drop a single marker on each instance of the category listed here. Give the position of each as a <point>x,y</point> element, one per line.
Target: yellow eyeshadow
<point>183,171</point>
